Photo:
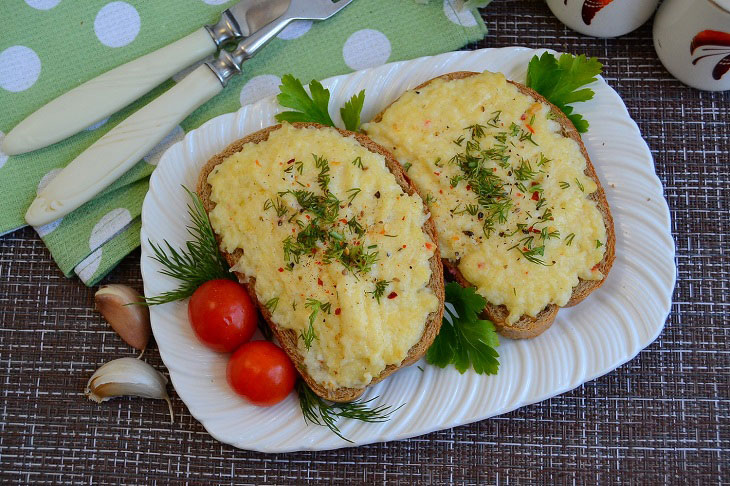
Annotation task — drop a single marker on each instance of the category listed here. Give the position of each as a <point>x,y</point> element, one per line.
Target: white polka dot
<point>19,68</point>
<point>3,157</point>
<point>215,2</point>
<point>42,4</point>
<point>109,225</point>
<point>295,29</point>
<point>366,48</point>
<point>87,267</point>
<point>97,125</point>
<point>116,24</point>
<point>173,137</point>
<point>46,179</point>
<point>463,17</point>
<point>48,228</point>
<point>259,87</point>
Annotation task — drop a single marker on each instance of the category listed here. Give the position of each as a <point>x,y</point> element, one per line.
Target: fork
<point>123,146</point>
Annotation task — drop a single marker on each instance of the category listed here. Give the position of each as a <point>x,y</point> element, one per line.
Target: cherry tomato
<point>222,315</point>
<point>261,372</point>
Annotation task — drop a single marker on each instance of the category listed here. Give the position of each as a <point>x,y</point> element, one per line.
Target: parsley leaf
<point>307,109</point>
<point>558,81</point>
<point>464,339</point>
<point>314,108</point>
<point>351,111</point>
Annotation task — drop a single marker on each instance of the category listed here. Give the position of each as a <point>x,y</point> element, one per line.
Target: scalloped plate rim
<point>235,117</point>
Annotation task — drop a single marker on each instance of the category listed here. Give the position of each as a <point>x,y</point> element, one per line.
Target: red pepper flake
<point>290,161</point>
<point>524,116</point>
<point>281,269</point>
<point>535,196</point>
<point>343,221</point>
<point>532,130</point>
<point>319,281</point>
<point>441,191</point>
<point>314,250</point>
<point>519,194</point>
<point>307,216</point>
<point>468,187</point>
<point>257,163</point>
<point>429,245</point>
<point>437,173</point>
<point>533,184</point>
<point>524,248</point>
<point>480,265</point>
<point>532,229</point>
<point>392,295</point>
<point>494,169</point>
<point>404,246</point>
<point>338,311</point>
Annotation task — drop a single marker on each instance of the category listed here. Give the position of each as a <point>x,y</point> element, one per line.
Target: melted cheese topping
<point>425,129</point>
<point>359,336</point>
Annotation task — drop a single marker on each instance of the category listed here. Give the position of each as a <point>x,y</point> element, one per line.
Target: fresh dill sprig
<point>580,186</point>
<point>569,239</point>
<point>564,184</point>
<point>319,411</point>
<point>380,286</point>
<point>199,262</point>
<point>407,166</point>
<point>358,162</point>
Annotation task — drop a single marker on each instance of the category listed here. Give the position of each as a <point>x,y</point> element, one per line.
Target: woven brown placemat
<point>664,417</point>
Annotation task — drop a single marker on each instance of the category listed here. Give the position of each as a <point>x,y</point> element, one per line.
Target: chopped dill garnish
<point>352,193</point>
<point>309,335</point>
<point>598,244</point>
<point>272,303</point>
<point>524,172</point>
<point>477,131</point>
<point>278,205</point>
<point>569,239</point>
<point>358,162</point>
<point>493,122</point>
<point>407,166</point>
<point>459,140</point>
<point>580,186</point>
<point>380,286</point>
<point>564,184</point>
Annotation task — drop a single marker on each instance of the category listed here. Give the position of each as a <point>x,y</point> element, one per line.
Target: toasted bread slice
<point>528,326</point>
<point>287,337</point>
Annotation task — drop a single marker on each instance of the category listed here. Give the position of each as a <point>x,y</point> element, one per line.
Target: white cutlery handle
<point>122,147</point>
<point>106,94</point>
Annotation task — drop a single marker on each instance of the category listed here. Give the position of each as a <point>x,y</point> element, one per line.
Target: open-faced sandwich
<point>520,212</point>
<point>335,246</point>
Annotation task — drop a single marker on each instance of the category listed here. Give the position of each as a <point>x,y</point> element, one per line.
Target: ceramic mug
<point>692,39</point>
<point>603,18</point>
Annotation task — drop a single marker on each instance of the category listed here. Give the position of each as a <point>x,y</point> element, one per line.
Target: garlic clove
<point>127,377</point>
<point>119,306</point>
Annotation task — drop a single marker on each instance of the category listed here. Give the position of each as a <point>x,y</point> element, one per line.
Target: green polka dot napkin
<point>50,46</point>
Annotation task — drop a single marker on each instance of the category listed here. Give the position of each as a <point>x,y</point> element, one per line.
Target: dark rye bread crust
<point>527,326</point>
<point>287,337</point>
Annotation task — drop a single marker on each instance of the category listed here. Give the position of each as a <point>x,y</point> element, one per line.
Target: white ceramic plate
<point>587,341</point>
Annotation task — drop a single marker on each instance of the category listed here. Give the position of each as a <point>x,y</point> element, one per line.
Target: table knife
<point>124,145</point>
<point>106,94</point>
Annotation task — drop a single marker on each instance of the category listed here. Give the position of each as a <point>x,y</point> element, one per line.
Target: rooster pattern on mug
<point>591,8</point>
<point>711,43</point>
